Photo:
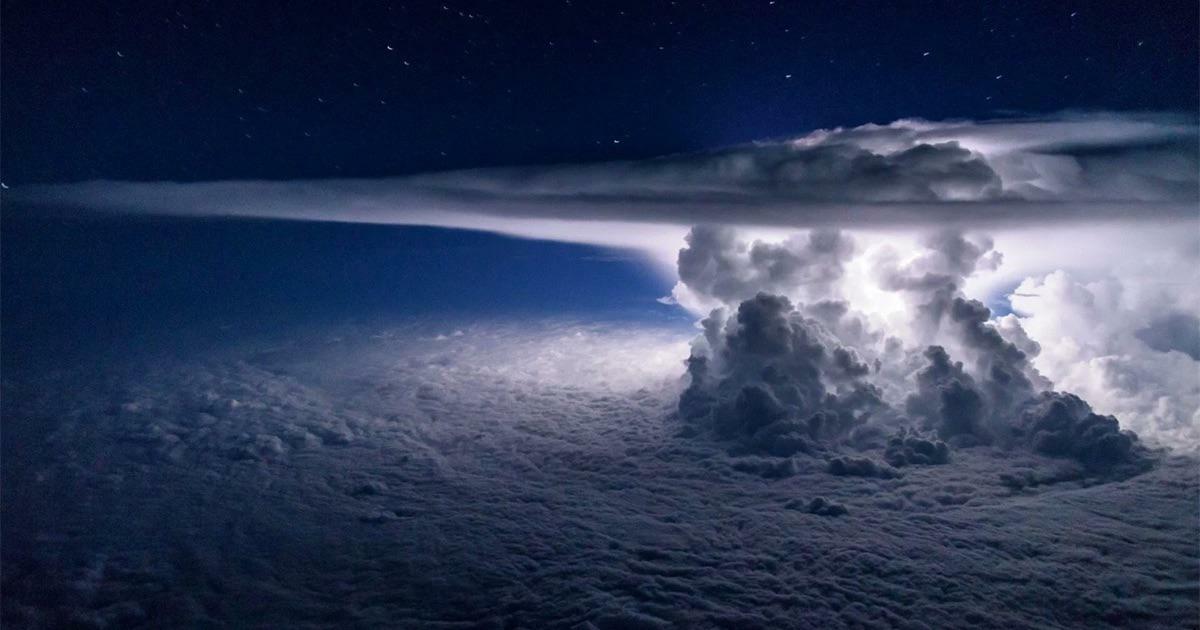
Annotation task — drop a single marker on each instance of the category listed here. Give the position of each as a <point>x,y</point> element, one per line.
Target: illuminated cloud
<point>1073,194</point>
<point>909,172</point>
<point>544,450</point>
<point>1121,342</point>
<point>787,364</point>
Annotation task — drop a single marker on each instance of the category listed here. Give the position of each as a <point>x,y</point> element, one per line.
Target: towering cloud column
<point>787,365</point>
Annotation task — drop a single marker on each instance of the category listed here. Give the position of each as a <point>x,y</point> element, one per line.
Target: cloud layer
<point>529,474</point>
<point>909,172</point>
<point>1121,190</point>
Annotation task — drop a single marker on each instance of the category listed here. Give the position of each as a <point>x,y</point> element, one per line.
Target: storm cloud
<point>855,386</point>
<point>909,172</point>
<point>777,380</point>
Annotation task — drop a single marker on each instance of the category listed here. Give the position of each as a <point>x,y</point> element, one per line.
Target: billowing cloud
<point>717,268</point>
<point>856,387</point>
<point>1121,341</point>
<point>783,378</point>
<point>917,273</point>
<point>776,379</point>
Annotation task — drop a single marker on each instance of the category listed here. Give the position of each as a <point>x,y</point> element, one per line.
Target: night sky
<point>213,90</point>
<point>599,315</point>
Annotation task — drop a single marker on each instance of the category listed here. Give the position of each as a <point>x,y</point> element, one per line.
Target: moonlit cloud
<point>784,377</point>
<point>909,172</point>
<point>474,458</point>
<point>1094,340</point>
<point>1096,198</point>
<point>569,315</point>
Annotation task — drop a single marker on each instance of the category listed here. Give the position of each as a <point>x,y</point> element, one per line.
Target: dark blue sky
<point>204,90</point>
<point>83,283</point>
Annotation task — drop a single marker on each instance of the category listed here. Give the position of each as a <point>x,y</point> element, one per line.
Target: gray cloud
<point>848,466</point>
<point>948,399</point>
<point>1175,331</point>
<point>910,172</point>
<point>476,489</point>
<point>716,265</point>
<point>534,475</point>
<point>777,377</point>
<point>1064,425</point>
<point>908,448</point>
<point>935,278</point>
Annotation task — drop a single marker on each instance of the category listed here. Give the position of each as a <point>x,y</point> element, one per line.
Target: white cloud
<point>910,172</point>
<point>1088,332</point>
<point>890,297</point>
<point>533,473</point>
<point>1025,181</point>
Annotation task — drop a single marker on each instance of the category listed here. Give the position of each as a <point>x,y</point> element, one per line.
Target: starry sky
<point>213,90</point>
<point>607,314</point>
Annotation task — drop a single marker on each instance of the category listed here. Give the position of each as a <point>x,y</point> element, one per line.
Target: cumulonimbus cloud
<point>1099,175</point>
<point>782,378</point>
<point>909,172</point>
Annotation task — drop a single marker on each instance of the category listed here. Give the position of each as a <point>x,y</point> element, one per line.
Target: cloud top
<point>1063,167</point>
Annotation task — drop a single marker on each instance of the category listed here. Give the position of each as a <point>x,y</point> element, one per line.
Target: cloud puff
<point>769,375</point>
<point>932,278</point>
<point>905,449</point>
<point>1064,425</point>
<point>718,268</point>
<point>847,466</point>
<point>948,399</point>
